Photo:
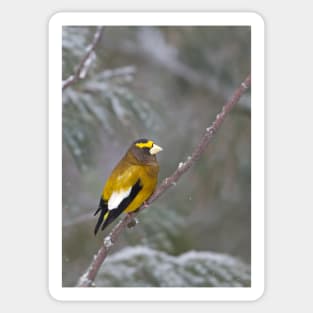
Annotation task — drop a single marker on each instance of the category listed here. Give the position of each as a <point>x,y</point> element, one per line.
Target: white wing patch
<point>117,197</point>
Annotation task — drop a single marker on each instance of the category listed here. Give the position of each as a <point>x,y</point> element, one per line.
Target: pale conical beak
<point>155,149</point>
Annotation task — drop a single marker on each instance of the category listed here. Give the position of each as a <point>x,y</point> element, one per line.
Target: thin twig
<point>87,279</point>
<point>85,62</point>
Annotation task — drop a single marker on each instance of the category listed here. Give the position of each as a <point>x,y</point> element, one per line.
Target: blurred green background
<point>167,84</point>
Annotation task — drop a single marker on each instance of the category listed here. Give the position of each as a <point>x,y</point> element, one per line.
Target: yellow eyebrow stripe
<point>147,144</point>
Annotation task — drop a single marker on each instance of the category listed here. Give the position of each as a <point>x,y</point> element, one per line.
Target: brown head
<point>144,150</point>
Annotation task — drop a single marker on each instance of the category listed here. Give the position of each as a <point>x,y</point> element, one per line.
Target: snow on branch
<point>85,62</point>
<point>87,279</point>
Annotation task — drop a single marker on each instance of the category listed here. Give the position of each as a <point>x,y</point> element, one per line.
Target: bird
<point>130,184</point>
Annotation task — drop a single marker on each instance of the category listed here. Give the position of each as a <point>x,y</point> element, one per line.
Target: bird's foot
<point>133,223</point>
<point>145,205</point>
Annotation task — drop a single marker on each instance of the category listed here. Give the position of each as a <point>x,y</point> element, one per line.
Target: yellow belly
<point>143,195</point>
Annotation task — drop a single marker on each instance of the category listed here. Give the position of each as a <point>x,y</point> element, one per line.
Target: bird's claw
<point>133,223</point>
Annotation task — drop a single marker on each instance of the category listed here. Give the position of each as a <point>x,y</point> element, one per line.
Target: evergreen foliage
<point>165,83</point>
<point>141,266</point>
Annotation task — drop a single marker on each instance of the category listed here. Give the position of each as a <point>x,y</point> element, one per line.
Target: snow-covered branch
<point>85,62</point>
<point>87,279</point>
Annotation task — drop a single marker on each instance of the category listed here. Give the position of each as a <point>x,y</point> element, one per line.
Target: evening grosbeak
<point>131,182</point>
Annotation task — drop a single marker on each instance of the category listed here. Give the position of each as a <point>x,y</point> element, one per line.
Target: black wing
<point>105,218</point>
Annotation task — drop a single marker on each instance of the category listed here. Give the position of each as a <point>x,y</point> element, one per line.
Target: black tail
<point>103,209</point>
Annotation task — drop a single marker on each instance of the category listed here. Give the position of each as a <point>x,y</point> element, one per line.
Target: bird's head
<point>145,150</point>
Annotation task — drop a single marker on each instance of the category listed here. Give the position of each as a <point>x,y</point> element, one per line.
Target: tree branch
<point>87,279</point>
<point>85,62</point>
